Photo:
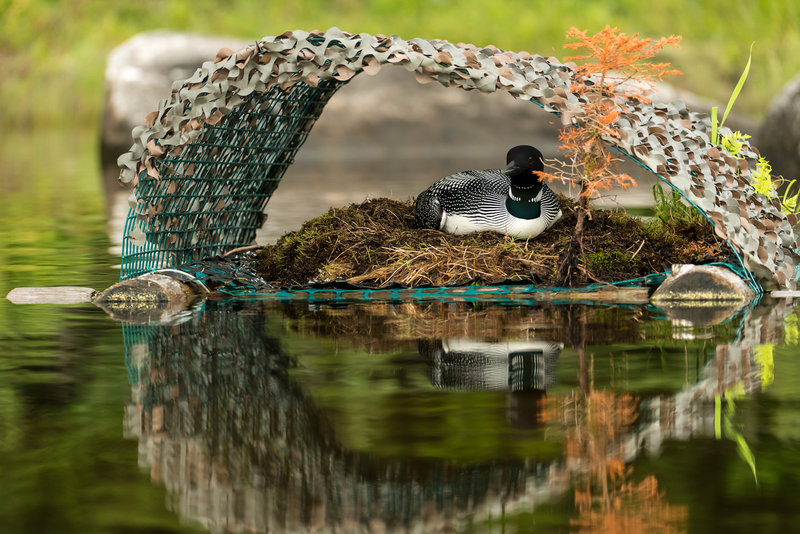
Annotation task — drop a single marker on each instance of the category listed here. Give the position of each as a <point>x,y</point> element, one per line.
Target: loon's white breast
<point>492,214</point>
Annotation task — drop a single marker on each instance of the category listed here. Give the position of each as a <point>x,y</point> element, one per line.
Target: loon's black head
<point>523,165</point>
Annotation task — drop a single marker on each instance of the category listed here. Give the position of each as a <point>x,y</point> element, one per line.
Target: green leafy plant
<point>670,208</point>
<point>762,180</point>
<point>738,89</point>
<point>733,142</point>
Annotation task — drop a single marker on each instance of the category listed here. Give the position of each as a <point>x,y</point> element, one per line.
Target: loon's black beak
<point>512,168</point>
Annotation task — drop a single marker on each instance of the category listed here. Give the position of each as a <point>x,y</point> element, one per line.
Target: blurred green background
<point>53,51</point>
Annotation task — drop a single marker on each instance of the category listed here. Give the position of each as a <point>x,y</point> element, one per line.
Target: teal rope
<point>468,293</point>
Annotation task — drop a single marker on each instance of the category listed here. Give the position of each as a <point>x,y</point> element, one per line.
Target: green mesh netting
<point>210,196</point>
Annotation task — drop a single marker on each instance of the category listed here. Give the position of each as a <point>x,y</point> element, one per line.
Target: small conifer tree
<point>613,68</point>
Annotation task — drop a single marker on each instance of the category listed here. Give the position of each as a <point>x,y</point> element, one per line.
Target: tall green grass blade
<point>738,87</point>
<point>714,129</point>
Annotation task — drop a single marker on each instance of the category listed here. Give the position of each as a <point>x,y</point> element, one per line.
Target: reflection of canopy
<point>208,160</point>
<point>243,448</point>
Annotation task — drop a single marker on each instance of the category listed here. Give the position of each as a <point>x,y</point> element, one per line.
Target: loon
<point>513,201</point>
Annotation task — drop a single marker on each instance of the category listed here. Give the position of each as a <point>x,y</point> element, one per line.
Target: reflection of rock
<point>157,297</point>
<point>707,315</point>
<point>701,286</point>
<point>702,295</point>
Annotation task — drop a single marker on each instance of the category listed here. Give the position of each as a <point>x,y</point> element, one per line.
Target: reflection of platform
<point>480,366</point>
<point>241,447</point>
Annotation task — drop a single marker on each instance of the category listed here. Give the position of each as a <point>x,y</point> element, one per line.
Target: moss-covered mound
<point>375,243</point>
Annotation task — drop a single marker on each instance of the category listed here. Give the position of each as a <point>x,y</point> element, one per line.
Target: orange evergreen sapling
<point>614,69</point>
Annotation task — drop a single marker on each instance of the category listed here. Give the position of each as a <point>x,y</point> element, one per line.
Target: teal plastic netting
<point>209,196</point>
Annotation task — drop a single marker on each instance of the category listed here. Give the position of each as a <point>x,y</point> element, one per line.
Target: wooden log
<point>51,295</point>
<point>603,295</point>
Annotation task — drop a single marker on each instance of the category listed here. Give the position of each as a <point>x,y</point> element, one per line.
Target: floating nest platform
<point>376,245</point>
<point>372,251</point>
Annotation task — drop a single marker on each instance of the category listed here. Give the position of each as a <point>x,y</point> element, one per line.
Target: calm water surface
<point>252,415</point>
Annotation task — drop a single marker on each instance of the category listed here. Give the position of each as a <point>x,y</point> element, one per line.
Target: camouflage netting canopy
<point>204,166</point>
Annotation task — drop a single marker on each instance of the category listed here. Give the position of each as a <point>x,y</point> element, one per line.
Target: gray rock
<point>158,297</point>
<point>140,72</point>
<point>702,294</point>
<point>778,138</point>
<point>702,285</point>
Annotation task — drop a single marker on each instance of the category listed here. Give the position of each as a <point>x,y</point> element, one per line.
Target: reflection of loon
<point>243,448</point>
<point>505,366</point>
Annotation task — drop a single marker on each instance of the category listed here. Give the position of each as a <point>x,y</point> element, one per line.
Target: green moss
<point>614,260</point>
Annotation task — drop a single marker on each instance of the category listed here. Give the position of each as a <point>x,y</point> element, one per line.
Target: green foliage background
<point>53,51</point>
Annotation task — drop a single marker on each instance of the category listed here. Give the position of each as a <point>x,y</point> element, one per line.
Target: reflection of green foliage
<point>762,355</point>
<point>64,463</point>
<point>376,410</point>
<point>723,423</point>
<point>791,329</point>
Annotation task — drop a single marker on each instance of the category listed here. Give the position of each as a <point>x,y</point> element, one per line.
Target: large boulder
<point>778,138</point>
<point>140,72</point>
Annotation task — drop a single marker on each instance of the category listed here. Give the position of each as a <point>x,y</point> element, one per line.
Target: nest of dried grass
<point>375,244</point>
